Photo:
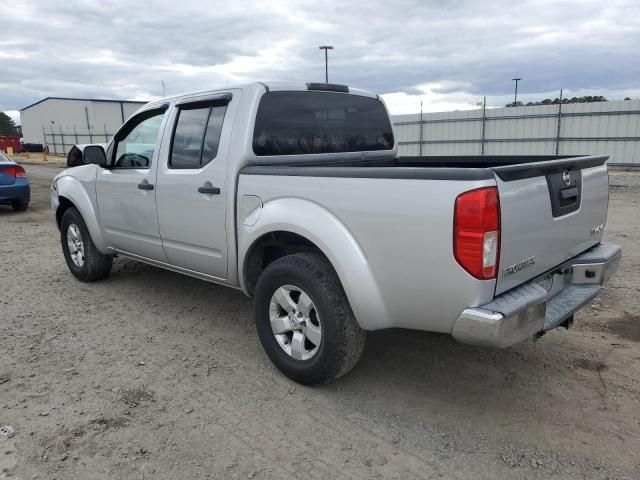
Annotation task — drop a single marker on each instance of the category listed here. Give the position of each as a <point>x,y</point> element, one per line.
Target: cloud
<point>14,115</point>
<point>448,54</point>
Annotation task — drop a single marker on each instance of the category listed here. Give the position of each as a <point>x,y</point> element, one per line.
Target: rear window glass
<point>196,137</point>
<point>187,141</point>
<point>295,123</point>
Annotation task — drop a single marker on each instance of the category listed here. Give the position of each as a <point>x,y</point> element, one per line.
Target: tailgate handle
<point>568,193</point>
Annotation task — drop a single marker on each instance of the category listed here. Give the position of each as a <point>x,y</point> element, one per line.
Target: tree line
<point>7,126</point>
<point>556,101</point>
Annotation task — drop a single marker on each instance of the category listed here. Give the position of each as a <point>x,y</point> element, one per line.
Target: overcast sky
<point>447,53</point>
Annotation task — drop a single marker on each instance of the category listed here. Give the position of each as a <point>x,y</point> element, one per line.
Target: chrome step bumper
<point>540,305</point>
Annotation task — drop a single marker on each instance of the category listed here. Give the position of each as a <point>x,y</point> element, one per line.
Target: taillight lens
<point>17,171</point>
<point>476,232</point>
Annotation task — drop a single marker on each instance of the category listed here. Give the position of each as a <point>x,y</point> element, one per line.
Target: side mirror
<point>74,158</point>
<point>94,154</point>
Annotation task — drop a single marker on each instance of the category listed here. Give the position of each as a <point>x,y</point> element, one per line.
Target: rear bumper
<point>18,191</point>
<point>540,305</point>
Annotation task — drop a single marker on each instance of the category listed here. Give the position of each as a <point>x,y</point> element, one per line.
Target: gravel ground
<point>153,375</point>
<point>625,181</point>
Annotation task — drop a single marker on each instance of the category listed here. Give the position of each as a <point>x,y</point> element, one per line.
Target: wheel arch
<point>71,193</point>
<point>292,225</point>
<point>268,248</point>
<point>64,204</point>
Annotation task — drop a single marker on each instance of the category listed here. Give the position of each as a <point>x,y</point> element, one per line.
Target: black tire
<point>342,340</point>
<point>96,265</point>
<point>20,205</point>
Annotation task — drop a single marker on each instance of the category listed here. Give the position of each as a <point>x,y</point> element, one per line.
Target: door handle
<point>209,189</point>
<point>145,186</point>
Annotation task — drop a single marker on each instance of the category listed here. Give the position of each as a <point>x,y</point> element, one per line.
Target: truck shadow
<point>429,373</point>
<point>401,370</point>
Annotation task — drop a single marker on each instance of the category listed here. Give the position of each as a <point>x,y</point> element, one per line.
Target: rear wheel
<point>20,205</point>
<point>304,320</point>
<point>84,260</point>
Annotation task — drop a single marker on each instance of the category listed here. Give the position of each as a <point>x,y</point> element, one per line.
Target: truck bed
<point>476,161</point>
<point>545,219</point>
<point>473,167</point>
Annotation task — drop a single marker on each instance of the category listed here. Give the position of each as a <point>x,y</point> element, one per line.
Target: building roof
<point>141,102</point>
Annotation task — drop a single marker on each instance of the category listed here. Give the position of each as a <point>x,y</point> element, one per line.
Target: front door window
<point>135,149</point>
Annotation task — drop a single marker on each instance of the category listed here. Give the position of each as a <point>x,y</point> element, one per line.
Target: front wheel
<point>84,260</point>
<point>304,320</point>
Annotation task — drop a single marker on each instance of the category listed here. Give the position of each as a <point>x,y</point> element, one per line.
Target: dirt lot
<point>152,375</point>
<point>38,158</point>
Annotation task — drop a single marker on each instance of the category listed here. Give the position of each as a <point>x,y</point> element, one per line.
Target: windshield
<point>294,123</point>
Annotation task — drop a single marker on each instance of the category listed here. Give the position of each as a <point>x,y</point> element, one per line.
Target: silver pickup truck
<point>294,193</point>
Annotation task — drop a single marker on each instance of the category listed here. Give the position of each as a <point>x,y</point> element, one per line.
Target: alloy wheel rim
<point>295,322</point>
<point>76,245</point>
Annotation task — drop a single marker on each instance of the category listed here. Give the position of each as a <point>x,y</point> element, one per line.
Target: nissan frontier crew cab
<point>295,194</point>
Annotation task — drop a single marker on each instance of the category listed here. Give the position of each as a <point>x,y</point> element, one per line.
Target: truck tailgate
<point>550,212</point>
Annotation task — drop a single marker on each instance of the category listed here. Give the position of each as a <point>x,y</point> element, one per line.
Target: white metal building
<point>63,122</point>
<point>611,128</point>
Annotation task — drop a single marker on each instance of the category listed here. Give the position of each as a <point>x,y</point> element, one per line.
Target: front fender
<point>79,189</point>
<point>332,237</point>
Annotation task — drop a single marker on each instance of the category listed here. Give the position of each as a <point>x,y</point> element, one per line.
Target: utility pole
<point>558,125</point>
<point>515,95</point>
<point>326,61</point>
<point>163,95</point>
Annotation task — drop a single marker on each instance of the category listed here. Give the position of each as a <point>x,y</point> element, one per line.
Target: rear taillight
<point>476,232</point>
<point>17,171</point>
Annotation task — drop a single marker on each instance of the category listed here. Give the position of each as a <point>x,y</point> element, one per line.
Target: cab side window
<point>196,135</point>
<point>135,147</point>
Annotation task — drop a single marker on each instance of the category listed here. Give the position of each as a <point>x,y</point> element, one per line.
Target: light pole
<point>515,95</point>
<point>326,61</point>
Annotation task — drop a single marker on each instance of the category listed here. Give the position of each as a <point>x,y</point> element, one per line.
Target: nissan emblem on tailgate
<point>566,177</point>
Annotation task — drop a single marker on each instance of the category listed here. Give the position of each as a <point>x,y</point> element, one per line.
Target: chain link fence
<point>61,140</point>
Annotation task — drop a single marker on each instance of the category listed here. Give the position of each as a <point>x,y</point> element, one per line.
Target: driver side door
<point>125,190</point>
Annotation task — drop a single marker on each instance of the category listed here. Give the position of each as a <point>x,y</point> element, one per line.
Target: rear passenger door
<point>191,187</point>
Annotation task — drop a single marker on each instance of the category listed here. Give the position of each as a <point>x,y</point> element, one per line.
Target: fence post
<point>559,122</point>
<point>106,137</point>
<point>421,130</point>
<point>484,121</point>
<point>44,146</point>
<point>86,112</point>
<point>53,140</point>
<point>75,134</point>
<point>62,139</point>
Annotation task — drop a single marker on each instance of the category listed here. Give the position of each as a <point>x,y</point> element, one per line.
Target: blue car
<point>14,184</point>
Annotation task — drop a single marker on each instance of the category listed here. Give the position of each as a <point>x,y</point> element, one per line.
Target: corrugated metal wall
<point>611,128</point>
